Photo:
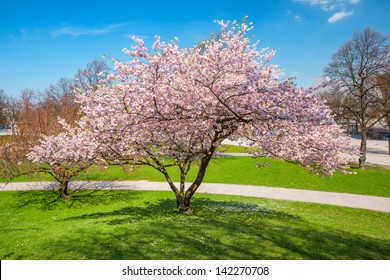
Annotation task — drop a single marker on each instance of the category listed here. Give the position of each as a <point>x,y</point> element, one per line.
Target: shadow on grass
<point>48,199</point>
<point>217,230</point>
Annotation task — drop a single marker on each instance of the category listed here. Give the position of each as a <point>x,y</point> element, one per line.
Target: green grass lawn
<point>144,225</point>
<point>227,148</point>
<point>243,170</point>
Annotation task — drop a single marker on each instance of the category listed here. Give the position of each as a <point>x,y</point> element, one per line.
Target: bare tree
<point>87,79</point>
<point>62,91</point>
<point>354,70</point>
<point>334,99</point>
<point>11,112</point>
<point>61,99</point>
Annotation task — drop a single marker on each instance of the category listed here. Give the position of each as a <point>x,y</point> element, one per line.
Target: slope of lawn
<point>144,225</point>
<point>375,180</point>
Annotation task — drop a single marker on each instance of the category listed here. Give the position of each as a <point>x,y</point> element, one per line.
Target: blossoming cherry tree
<point>173,107</point>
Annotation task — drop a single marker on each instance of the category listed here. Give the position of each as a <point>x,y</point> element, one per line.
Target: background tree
<point>172,108</point>
<point>354,70</point>
<point>40,112</point>
<point>61,97</point>
<point>12,112</point>
<point>87,79</point>
<point>3,108</point>
<point>334,99</point>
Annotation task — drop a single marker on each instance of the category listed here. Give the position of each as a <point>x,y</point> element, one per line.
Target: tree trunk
<point>63,189</point>
<point>363,149</point>
<point>183,197</point>
<point>388,141</point>
<point>183,203</point>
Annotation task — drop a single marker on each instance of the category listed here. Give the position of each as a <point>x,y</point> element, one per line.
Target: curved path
<point>375,203</point>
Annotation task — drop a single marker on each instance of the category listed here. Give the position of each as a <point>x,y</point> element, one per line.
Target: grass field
<point>144,225</point>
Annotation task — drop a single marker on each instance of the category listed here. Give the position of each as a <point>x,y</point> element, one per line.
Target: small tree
<point>64,155</point>
<point>173,108</point>
<point>354,69</point>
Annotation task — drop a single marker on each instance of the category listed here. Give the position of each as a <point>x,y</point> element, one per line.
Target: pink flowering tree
<point>173,107</point>
<point>64,155</point>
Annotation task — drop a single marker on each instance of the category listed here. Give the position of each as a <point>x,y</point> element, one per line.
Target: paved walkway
<point>375,203</point>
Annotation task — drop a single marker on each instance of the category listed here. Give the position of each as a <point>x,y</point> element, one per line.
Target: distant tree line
<point>39,111</point>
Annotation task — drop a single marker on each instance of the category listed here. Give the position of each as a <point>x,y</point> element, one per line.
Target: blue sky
<point>42,41</point>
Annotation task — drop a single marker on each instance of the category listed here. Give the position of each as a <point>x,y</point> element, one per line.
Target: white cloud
<point>329,5</point>
<point>78,31</point>
<point>339,16</point>
<point>298,18</point>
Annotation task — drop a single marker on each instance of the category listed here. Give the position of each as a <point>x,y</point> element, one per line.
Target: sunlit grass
<point>227,148</point>
<point>145,225</point>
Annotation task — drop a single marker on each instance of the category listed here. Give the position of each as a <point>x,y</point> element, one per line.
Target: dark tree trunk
<point>183,198</point>
<point>388,141</point>
<point>63,189</point>
<point>363,149</point>
<point>183,204</point>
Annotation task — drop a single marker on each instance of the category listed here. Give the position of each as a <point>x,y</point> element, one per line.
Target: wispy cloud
<point>339,16</point>
<point>298,18</point>
<point>329,5</point>
<point>338,7</point>
<point>22,34</point>
<point>76,31</point>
